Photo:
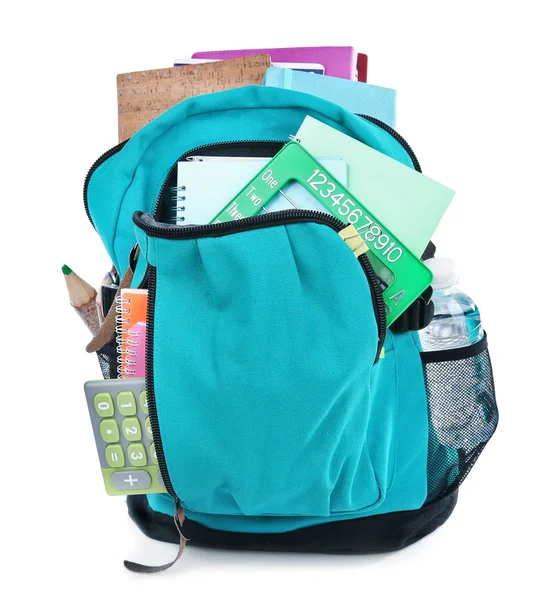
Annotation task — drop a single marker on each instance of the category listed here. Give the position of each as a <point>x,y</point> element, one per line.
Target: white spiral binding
<point>124,335</point>
<point>176,196</point>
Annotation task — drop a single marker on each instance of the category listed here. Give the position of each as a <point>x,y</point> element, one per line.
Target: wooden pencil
<point>82,296</point>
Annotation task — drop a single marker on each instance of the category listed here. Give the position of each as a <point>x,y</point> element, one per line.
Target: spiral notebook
<point>207,184</point>
<point>131,332</point>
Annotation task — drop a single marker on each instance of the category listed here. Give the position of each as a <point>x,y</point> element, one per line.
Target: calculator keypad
<point>137,454</point>
<point>119,414</point>
<point>144,403</point>
<point>104,405</point>
<point>109,430</point>
<point>148,428</point>
<point>114,455</point>
<point>138,481</point>
<point>127,405</point>
<point>132,429</point>
<point>153,454</point>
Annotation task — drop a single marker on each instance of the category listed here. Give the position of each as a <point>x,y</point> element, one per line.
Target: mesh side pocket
<point>462,412</point>
<point>108,360</point>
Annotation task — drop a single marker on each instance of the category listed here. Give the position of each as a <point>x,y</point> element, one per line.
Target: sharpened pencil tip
<point>66,270</point>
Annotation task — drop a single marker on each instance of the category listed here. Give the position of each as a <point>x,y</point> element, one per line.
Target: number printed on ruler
<point>403,274</point>
<point>233,208</point>
<point>371,231</point>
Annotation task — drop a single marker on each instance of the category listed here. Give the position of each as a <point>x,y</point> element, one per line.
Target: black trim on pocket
<point>365,535</point>
<point>108,154</point>
<point>455,353</point>
<point>157,229</point>
<point>152,408</point>
<point>462,413</point>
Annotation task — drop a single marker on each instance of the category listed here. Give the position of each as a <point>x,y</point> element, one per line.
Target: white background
<point>475,101</point>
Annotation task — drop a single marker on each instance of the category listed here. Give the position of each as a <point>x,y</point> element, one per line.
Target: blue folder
<point>358,97</point>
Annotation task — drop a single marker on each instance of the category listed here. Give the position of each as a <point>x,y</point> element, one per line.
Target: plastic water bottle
<point>458,390</point>
<point>456,321</point>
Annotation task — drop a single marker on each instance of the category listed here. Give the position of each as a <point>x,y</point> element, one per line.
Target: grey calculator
<point>119,415</point>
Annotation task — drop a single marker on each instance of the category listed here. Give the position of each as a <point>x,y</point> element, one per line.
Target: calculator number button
<point>132,429</point>
<point>131,480</point>
<point>144,402</point>
<point>104,405</point>
<point>115,456</point>
<point>127,405</point>
<point>137,454</point>
<point>153,454</point>
<point>148,427</point>
<point>109,430</point>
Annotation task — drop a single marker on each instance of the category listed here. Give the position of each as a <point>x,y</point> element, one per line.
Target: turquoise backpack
<point>284,416</point>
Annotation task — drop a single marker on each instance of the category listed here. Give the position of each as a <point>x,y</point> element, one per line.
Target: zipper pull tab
<point>352,238</point>
<point>179,519</point>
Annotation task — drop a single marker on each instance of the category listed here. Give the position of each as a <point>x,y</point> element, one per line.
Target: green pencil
<point>82,297</point>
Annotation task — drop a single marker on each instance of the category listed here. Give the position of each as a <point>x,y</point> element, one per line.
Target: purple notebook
<point>339,61</point>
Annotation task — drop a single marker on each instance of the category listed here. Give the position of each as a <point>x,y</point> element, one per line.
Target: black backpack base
<point>366,535</point>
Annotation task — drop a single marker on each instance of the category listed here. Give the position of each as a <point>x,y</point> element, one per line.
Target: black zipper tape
<point>94,167</point>
<point>166,231</point>
<point>204,149</point>
<point>251,147</point>
<point>156,229</point>
<point>397,137</point>
<point>152,412</point>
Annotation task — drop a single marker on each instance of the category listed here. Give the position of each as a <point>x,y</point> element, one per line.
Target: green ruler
<point>403,273</point>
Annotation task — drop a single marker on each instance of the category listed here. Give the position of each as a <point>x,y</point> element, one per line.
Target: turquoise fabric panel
<point>300,427</point>
<point>410,487</point>
<point>131,180</point>
<point>399,376</point>
<point>263,347</point>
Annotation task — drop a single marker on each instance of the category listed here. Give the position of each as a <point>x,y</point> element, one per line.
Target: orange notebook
<point>144,95</point>
<point>131,332</point>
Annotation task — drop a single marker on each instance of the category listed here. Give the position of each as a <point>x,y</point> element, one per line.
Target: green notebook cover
<point>408,203</point>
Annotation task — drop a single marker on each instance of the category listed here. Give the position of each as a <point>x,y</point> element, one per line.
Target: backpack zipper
<point>167,231</point>
<point>395,135</point>
<point>93,168</point>
<point>155,229</point>
<point>152,412</point>
<point>279,144</point>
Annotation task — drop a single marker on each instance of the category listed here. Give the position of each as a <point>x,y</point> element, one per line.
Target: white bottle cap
<point>444,270</point>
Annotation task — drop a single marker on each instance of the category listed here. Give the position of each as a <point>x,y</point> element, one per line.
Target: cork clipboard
<point>143,95</point>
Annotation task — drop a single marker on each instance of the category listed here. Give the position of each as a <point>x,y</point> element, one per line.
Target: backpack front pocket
<point>261,347</point>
